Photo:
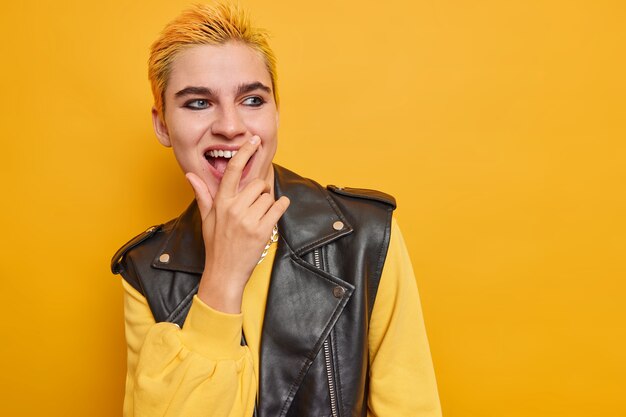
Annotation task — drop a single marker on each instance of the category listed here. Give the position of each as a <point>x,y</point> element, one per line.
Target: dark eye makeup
<point>197,104</point>
<point>254,101</point>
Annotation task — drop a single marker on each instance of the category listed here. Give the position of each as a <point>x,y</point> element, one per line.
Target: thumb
<point>203,196</point>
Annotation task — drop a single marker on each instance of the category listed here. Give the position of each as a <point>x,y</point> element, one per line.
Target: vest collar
<point>311,221</point>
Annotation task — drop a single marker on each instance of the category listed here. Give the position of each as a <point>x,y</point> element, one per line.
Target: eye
<point>197,104</point>
<point>253,101</point>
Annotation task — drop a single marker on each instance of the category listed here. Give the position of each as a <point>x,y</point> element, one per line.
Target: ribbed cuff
<point>211,333</point>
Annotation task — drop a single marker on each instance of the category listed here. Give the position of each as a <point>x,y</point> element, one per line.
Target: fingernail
<point>191,180</point>
<point>255,139</point>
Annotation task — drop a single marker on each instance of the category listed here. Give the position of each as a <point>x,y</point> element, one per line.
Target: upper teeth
<point>215,153</point>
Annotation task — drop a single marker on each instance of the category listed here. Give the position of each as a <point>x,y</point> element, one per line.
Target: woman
<point>270,294</point>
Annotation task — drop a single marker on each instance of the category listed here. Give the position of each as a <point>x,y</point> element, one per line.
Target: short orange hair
<point>213,24</point>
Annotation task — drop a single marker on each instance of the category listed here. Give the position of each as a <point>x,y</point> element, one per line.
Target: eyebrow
<point>247,88</point>
<point>201,91</point>
<point>205,91</point>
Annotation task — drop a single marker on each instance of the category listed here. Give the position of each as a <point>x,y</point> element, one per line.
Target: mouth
<point>218,160</point>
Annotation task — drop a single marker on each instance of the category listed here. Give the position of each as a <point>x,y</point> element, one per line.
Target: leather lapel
<point>301,305</point>
<point>308,222</point>
<point>184,246</point>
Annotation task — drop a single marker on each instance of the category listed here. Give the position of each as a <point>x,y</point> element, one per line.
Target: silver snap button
<point>165,258</point>
<point>338,225</point>
<point>339,292</point>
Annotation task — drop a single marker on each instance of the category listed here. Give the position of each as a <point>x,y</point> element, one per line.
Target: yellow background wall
<point>498,125</point>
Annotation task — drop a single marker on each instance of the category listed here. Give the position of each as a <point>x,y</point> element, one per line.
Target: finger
<point>252,191</point>
<point>260,207</point>
<point>275,212</point>
<point>230,181</point>
<point>202,193</point>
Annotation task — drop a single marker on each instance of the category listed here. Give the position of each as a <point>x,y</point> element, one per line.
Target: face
<point>217,98</point>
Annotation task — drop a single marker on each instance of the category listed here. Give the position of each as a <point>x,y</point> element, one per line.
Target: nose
<point>228,123</point>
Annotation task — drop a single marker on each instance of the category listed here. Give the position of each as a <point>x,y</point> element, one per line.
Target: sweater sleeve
<point>199,370</point>
<point>402,379</point>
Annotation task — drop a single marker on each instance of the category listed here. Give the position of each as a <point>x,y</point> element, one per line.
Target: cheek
<point>185,133</point>
<point>266,127</point>
<point>269,141</point>
<point>188,131</point>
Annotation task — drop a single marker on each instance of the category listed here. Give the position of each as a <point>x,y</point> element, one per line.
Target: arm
<point>402,379</point>
<point>200,370</point>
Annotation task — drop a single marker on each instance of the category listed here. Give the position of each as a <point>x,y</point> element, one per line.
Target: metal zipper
<point>316,259</point>
<point>327,355</point>
<point>331,380</point>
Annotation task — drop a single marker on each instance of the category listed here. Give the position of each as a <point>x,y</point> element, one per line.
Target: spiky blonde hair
<point>204,24</point>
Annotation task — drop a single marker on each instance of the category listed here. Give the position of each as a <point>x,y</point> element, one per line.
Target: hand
<point>235,227</point>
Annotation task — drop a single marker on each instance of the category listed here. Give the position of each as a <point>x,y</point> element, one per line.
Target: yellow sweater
<point>202,370</point>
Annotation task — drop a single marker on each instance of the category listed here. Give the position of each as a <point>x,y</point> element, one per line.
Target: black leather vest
<point>332,248</point>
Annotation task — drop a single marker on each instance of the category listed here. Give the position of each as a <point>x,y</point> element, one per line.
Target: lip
<point>222,147</point>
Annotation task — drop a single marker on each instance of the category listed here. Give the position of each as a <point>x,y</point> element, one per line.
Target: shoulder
<point>364,194</point>
<point>301,188</point>
<point>363,204</point>
<point>141,248</point>
<point>116,261</point>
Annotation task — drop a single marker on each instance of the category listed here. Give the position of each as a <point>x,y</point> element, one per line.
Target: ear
<point>160,129</point>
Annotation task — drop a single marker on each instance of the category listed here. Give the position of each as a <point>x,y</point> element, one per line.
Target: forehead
<point>218,67</point>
